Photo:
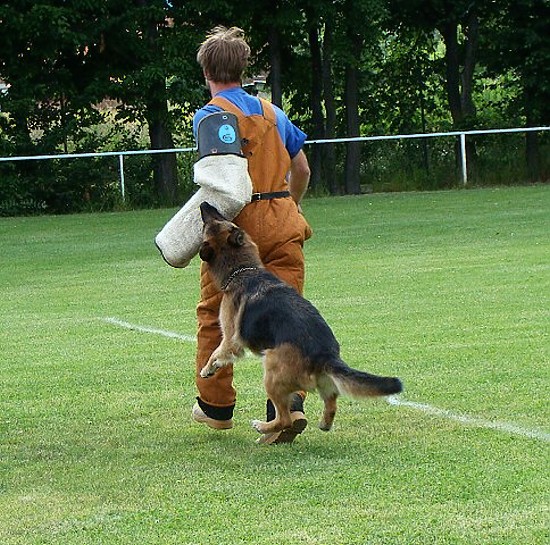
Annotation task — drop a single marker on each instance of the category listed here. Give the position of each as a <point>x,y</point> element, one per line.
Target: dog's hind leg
<point>282,419</point>
<point>329,412</point>
<point>329,394</point>
<point>280,393</point>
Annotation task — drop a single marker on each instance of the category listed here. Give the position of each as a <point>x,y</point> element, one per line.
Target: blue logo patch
<point>226,133</point>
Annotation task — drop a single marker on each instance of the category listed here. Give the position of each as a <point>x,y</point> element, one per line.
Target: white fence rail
<point>461,134</point>
<point>121,154</point>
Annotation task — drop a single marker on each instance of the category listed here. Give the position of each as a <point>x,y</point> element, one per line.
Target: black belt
<point>267,196</point>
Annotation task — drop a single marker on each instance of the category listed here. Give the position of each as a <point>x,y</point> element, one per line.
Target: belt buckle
<point>256,197</point>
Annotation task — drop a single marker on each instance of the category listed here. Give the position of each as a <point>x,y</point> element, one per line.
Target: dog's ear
<point>236,238</point>
<point>206,252</point>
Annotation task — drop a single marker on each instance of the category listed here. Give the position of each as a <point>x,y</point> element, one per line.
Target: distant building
<point>255,85</point>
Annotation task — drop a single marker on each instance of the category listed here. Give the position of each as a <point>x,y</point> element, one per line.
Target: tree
<point>355,44</point>
<point>458,24</point>
<point>339,49</point>
<point>44,59</point>
<point>270,26</point>
<point>316,93</point>
<point>340,68</point>
<point>519,41</point>
<point>330,107</point>
<point>63,58</point>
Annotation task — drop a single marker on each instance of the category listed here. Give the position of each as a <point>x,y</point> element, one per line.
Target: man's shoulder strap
<point>228,106</point>
<point>269,111</point>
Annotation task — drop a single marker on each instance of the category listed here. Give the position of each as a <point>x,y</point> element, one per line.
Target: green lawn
<point>448,290</point>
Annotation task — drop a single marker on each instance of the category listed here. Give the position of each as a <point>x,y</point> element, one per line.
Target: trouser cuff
<point>217,413</point>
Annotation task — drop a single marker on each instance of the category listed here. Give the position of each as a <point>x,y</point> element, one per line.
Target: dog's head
<point>219,234</point>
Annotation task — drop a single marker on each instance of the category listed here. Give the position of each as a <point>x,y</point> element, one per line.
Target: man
<point>280,173</point>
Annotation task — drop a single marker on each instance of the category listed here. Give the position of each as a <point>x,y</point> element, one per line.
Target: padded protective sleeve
<point>223,182</point>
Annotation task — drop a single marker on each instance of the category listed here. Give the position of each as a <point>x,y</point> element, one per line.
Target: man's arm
<point>298,179</point>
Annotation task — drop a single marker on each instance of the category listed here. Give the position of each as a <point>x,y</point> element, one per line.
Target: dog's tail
<point>355,383</point>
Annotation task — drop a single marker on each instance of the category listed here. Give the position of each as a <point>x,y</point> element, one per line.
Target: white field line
<point>154,330</point>
<point>471,420</point>
<point>505,427</point>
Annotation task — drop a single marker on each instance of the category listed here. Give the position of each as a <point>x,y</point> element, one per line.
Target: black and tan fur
<point>262,313</point>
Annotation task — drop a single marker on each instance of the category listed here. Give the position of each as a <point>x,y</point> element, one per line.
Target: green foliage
<point>63,59</point>
<point>518,41</point>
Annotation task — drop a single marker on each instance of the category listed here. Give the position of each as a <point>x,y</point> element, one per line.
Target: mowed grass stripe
<point>448,290</point>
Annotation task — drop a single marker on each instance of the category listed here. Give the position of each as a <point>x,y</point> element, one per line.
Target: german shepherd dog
<point>260,312</point>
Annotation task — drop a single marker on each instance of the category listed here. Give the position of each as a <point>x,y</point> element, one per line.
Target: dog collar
<point>234,274</point>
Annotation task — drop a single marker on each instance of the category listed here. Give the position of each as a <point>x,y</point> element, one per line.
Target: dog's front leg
<point>230,348</point>
<point>224,355</point>
<point>221,357</point>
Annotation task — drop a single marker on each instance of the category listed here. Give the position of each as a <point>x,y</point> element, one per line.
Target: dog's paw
<point>211,368</point>
<point>208,371</point>
<point>258,425</point>
<point>323,426</point>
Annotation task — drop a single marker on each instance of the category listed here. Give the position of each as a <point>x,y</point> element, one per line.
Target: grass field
<point>449,290</point>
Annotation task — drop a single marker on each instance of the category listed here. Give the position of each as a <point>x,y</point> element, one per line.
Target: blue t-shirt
<point>292,137</point>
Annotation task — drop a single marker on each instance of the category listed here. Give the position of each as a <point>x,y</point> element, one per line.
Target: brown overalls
<point>275,225</point>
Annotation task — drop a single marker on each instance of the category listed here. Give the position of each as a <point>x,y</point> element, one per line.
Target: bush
<point>84,184</point>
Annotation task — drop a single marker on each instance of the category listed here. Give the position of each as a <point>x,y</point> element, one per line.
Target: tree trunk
<point>354,41</point>
<point>165,172</point>
<point>165,175</point>
<point>459,85</point>
<point>532,154</point>
<point>467,76</point>
<point>275,62</point>
<point>424,141</point>
<point>353,155</point>
<point>330,109</point>
<point>467,84</point>
<point>316,105</point>
<point>452,68</point>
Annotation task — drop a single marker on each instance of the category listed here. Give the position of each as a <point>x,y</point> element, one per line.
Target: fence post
<point>463,165</point>
<point>121,171</point>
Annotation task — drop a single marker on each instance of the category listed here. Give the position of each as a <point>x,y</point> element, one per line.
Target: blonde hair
<point>224,54</point>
